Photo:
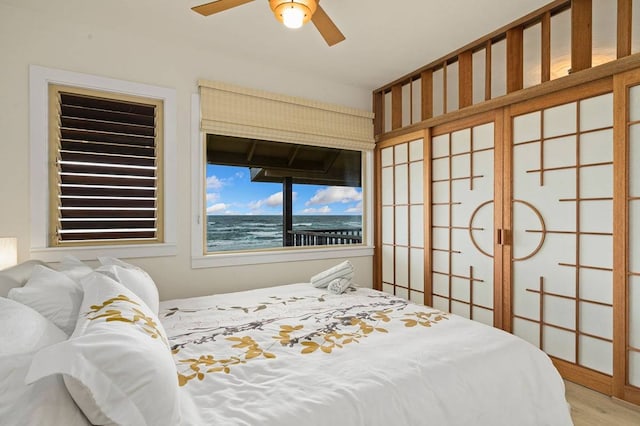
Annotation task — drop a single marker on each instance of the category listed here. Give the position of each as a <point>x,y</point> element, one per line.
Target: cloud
<point>212,197</point>
<point>273,200</point>
<point>214,183</point>
<point>321,210</point>
<point>217,208</point>
<point>335,194</point>
<point>355,209</point>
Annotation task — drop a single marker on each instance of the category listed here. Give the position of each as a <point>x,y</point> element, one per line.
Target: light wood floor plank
<point>591,408</point>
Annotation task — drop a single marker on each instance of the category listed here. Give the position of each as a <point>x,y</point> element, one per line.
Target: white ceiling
<point>385,39</point>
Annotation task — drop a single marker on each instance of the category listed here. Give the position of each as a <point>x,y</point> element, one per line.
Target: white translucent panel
<point>527,330</point>
<point>401,152</point>
<point>634,359</point>
<point>452,86</point>
<point>634,236</point>
<point>438,92</point>
<point>440,260</point>
<point>498,69</point>
<point>440,285</point>
<point>596,181</point>
<point>416,297</point>
<point>483,290</point>
<point>461,309</point>
<point>596,147</point>
<point>596,112</point>
<point>387,186</point>
<point>532,55</point>
<point>596,285</point>
<point>559,343</point>
<point>388,288</point>
<point>416,226</point>
<point>460,213</point>
<point>596,320</point>
<point>387,264</point>
<point>402,184</point>
<point>416,101</point>
<point>416,183</point>
<point>484,235</point>
<point>416,150</point>
<point>440,146</point>
<point>596,216</point>
<point>560,152</point>
<point>484,316</point>
<point>559,311</point>
<point>416,273</point>
<point>635,40</point>
<point>526,127</point>
<point>560,120</point>
<point>440,215</point>
<point>402,292</point>
<point>483,166</point>
<point>386,156</point>
<point>557,249</point>
<point>634,160</point>
<point>461,141</point>
<point>402,267</point>
<point>595,353</point>
<point>440,192</point>
<point>525,277</point>
<point>483,136</point>
<point>560,44</point>
<point>460,166</point>
<point>406,104</point>
<point>441,304</point>
<point>604,24</point>
<point>524,221</point>
<point>402,225</point>
<point>460,289</point>
<point>479,61</point>
<point>387,112</point>
<point>634,312</point>
<point>440,168</point>
<point>388,225</point>
<point>634,102</point>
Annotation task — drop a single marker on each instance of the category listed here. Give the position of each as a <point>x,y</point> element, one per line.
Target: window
<point>104,169</point>
<point>264,194</point>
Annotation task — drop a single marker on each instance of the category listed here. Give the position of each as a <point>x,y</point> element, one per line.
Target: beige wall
<point>56,34</point>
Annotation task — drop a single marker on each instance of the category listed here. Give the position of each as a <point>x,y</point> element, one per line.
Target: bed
<point>286,355</point>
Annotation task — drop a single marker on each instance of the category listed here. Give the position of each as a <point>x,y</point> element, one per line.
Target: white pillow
<point>74,268</point>
<point>120,356</point>
<point>53,294</point>
<point>134,278</point>
<point>341,270</point>
<point>16,276</point>
<point>24,331</point>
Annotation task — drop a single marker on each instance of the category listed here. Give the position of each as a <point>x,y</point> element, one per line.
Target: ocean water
<point>226,233</point>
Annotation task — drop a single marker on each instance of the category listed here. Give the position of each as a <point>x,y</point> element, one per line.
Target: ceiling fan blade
<point>326,27</point>
<point>218,6</point>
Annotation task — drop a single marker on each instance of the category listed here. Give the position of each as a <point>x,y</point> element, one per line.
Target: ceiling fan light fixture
<point>293,13</point>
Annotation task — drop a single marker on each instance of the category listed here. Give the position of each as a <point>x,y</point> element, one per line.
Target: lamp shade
<point>293,13</point>
<point>8,252</point>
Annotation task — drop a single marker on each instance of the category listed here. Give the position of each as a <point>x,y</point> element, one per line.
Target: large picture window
<point>265,195</point>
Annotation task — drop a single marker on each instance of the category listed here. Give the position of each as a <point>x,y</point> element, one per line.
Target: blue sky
<point>231,192</point>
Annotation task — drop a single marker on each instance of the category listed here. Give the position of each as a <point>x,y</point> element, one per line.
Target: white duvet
<point>297,355</point>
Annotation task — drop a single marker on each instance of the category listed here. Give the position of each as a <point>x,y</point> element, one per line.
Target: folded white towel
<point>342,270</point>
<point>339,285</point>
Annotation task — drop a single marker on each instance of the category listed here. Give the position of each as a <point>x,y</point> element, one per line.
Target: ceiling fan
<point>292,13</point>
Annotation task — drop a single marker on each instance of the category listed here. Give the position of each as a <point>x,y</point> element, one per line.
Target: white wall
<point>54,35</point>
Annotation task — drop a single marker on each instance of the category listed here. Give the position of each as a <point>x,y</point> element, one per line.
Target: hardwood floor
<point>591,408</point>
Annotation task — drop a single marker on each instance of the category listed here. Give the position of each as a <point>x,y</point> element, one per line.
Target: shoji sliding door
<point>562,230</point>
<point>463,189</point>
<point>401,192</point>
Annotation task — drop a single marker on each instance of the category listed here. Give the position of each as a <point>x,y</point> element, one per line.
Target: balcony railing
<point>324,237</point>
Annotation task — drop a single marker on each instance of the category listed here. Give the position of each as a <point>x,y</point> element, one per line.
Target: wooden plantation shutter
<point>105,168</point>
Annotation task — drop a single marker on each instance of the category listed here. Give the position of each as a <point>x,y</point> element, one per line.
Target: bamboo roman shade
<point>235,111</point>
<point>105,167</point>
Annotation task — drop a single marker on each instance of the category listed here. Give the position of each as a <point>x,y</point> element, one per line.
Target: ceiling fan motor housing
<point>308,6</point>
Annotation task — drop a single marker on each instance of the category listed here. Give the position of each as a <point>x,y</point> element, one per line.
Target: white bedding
<point>360,358</point>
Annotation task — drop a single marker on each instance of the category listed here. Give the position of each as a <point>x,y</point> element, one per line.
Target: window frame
<point>201,259</point>
<point>39,80</point>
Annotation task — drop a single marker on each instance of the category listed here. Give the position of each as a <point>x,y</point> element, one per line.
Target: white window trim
<point>200,260</point>
<point>39,79</point>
